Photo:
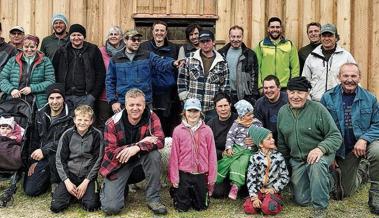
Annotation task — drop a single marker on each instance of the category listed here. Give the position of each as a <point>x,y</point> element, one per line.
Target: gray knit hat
<point>59,17</point>
<point>243,107</point>
<point>258,134</point>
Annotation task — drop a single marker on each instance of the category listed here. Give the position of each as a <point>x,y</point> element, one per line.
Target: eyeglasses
<point>134,39</point>
<point>17,33</point>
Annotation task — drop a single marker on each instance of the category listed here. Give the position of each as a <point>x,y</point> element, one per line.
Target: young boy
<point>267,175</point>
<point>79,154</point>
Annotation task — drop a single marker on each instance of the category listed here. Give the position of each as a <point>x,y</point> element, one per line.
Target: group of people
<point>242,121</point>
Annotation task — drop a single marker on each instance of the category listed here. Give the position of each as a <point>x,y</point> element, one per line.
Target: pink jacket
<point>189,156</point>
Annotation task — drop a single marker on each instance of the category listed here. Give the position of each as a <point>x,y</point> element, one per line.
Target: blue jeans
<point>311,182</point>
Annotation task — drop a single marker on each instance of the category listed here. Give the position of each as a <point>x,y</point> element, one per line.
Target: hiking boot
<point>233,192</point>
<point>158,208</point>
<point>320,213</point>
<point>337,193</point>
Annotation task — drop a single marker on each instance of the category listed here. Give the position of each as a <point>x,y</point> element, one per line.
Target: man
<point>132,137</point>
<point>203,75</point>
<point>322,65</point>
<point>276,55</point>
<point>80,66</point>
<point>313,33</point>
<point>243,67</point>
<point>308,138</point>
<point>267,107</point>
<point>166,103</point>
<point>50,122</point>
<point>6,51</point>
<point>50,44</point>
<point>356,113</point>
<point>16,36</point>
<point>134,68</point>
<point>192,35</point>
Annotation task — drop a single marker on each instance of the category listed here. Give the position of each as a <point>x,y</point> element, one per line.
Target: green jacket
<point>41,76</point>
<point>280,60</point>
<point>300,131</point>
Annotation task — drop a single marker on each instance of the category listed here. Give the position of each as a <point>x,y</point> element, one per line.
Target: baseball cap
<point>192,103</point>
<point>19,28</point>
<point>132,32</point>
<point>329,28</point>
<point>206,35</point>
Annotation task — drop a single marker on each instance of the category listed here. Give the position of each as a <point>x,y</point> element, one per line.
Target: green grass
<point>38,207</point>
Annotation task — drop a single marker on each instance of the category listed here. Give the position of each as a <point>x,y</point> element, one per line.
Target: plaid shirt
<point>114,135</point>
<point>192,83</point>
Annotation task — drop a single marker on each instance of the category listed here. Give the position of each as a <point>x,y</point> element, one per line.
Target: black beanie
<point>77,28</point>
<point>56,88</point>
<point>299,83</point>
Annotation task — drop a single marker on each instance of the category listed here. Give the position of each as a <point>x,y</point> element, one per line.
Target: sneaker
<point>337,193</point>
<point>233,192</point>
<point>158,208</point>
<point>319,213</point>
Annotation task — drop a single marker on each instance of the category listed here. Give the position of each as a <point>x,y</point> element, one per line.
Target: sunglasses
<point>135,39</point>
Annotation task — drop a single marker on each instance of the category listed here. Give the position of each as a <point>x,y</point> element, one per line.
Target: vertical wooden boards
<point>111,10</point>
<point>8,14</point>
<point>25,15</point>
<point>241,17</point>
<point>43,15</point>
<point>78,12</point>
<point>360,28</point>
<point>258,22</point>
<point>343,22</point>
<point>291,19</point>
<point>63,7</point>
<point>94,22</point>
<point>326,11</point>
<point>177,6</point>
<point>274,8</point>
<point>374,60</point>
<point>224,22</point>
<point>127,10</point>
<point>308,13</point>
<point>193,6</point>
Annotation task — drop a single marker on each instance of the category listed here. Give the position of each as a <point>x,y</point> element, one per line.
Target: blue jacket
<point>364,115</point>
<point>124,74</point>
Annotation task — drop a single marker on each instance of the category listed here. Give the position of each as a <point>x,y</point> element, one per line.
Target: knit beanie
<point>56,88</point>
<point>243,107</point>
<point>59,17</point>
<point>7,121</point>
<point>299,83</point>
<point>77,28</point>
<point>258,134</point>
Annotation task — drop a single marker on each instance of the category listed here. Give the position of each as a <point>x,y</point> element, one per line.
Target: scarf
<point>112,50</point>
<point>194,127</point>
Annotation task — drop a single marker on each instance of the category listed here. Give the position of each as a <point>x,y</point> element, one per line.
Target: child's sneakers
<point>233,192</point>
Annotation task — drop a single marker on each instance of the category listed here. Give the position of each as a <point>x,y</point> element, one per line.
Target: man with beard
<point>313,33</point>
<point>277,55</point>
<point>192,36</point>
<point>308,138</point>
<point>356,113</point>
<point>243,67</point>
<point>50,122</point>
<point>322,65</point>
<point>16,36</point>
<point>50,44</point>
<point>166,103</point>
<point>80,66</point>
<point>6,51</point>
<point>267,107</point>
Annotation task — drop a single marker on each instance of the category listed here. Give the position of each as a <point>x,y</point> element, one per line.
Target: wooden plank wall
<point>355,20</point>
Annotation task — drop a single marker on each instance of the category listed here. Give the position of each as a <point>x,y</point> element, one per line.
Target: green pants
<point>235,166</point>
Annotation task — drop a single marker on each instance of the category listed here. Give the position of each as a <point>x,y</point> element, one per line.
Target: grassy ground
<point>38,207</point>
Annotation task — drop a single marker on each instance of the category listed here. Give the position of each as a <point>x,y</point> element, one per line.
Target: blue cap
<point>192,103</point>
<point>59,17</point>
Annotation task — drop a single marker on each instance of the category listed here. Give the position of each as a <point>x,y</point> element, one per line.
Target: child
<point>79,154</point>
<point>192,162</point>
<point>238,148</point>
<point>9,128</point>
<point>267,175</point>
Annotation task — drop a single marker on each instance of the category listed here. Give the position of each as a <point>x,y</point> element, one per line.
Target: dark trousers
<point>62,198</point>
<point>103,112</point>
<point>192,192</point>
<point>44,174</point>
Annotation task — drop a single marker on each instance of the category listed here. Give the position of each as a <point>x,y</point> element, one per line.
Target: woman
<point>113,44</point>
<point>28,74</point>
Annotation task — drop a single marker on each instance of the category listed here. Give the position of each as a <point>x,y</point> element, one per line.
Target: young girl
<point>192,162</point>
<point>9,128</point>
<point>238,148</point>
<point>267,175</point>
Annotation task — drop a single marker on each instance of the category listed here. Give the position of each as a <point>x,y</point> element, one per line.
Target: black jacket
<point>93,65</point>
<point>45,133</point>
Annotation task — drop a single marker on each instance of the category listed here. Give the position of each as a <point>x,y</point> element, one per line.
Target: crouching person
<point>193,160</point>
<point>132,137</point>
<point>78,159</point>
<point>267,175</point>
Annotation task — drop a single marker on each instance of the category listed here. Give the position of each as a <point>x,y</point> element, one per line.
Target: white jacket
<point>323,74</point>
